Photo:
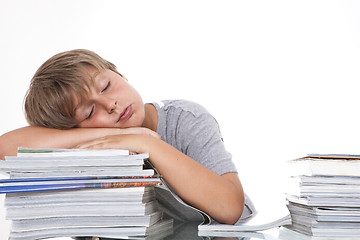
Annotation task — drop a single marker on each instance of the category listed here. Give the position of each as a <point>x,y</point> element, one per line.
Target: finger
<point>155,135</point>
<point>141,130</point>
<point>89,145</point>
<point>96,146</point>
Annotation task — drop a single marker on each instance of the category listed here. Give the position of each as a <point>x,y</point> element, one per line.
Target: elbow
<point>232,215</point>
<point>2,148</point>
<point>232,211</point>
<point>6,147</point>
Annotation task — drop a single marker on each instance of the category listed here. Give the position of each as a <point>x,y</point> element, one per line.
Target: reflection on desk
<point>189,231</point>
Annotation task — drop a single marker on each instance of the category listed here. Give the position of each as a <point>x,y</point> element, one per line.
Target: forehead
<point>86,80</point>
<point>89,74</point>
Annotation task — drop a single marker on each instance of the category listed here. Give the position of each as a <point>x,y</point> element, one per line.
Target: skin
<point>114,116</point>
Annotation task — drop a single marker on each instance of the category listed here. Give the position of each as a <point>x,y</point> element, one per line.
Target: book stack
<point>324,198</point>
<point>78,193</point>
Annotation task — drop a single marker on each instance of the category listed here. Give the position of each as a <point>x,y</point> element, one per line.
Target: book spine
<point>59,187</point>
<point>13,180</point>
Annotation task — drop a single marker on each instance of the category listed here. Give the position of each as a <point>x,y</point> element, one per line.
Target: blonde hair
<point>49,101</point>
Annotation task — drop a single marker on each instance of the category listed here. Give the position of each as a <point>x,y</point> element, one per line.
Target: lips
<point>125,114</point>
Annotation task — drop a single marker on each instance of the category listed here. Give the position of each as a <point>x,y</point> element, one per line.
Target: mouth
<point>126,113</point>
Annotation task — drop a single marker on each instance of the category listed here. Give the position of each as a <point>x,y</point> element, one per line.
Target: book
<point>129,232</point>
<point>105,172</point>
<point>320,185</point>
<point>267,217</point>
<point>74,163</point>
<point>50,203</point>
<point>325,214</point>
<point>81,209</point>
<point>85,221</point>
<point>326,164</point>
<point>324,201</point>
<point>324,197</point>
<point>138,194</point>
<point>305,180</point>
<point>79,184</point>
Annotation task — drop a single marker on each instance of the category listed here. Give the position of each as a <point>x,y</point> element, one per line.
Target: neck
<point>151,118</point>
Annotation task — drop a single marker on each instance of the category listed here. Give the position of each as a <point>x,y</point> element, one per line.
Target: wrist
<point>147,144</point>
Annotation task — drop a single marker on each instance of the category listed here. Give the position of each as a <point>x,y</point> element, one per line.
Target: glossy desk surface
<point>189,231</point>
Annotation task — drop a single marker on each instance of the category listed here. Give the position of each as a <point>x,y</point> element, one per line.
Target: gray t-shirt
<point>191,129</point>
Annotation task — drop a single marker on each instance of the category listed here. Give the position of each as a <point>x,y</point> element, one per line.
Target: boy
<point>78,99</point>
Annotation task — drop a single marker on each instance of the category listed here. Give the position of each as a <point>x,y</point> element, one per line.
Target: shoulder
<point>183,120</point>
<point>188,118</point>
<point>184,106</point>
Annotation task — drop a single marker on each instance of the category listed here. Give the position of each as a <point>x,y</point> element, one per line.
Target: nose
<point>109,104</point>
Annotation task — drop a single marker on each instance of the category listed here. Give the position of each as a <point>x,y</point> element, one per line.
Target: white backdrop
<point>281,77</point>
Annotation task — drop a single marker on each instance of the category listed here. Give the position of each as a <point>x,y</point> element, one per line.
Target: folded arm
<point>40,137</point>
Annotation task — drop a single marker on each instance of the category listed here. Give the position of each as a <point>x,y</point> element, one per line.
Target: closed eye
<point>91,113</point>
<point>106,87</point>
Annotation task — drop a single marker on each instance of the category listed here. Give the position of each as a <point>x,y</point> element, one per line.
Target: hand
<point>121,139</point>
<point>135,143</point>
<point>140,130</point>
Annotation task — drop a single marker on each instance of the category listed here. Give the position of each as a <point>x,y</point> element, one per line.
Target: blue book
<point>72,186</point>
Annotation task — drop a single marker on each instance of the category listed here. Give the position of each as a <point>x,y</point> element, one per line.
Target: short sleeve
<point>191,129</point>
<point>202,141</point>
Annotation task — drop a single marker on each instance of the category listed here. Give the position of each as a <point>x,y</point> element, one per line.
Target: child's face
<point>111,102</point>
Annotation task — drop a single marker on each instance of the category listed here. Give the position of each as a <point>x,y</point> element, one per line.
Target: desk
<point>188,231</point>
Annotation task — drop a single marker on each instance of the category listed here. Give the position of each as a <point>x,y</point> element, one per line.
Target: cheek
<point>101,120</point>
<point>98,120</point>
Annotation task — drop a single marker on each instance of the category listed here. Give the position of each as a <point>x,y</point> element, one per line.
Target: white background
<point>281,77</point>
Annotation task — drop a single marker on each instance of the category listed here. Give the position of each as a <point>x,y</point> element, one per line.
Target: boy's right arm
<point>40,137</point>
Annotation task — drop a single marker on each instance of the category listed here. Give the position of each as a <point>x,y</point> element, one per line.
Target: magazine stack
<point>324,197</point>
<point>79,193</point>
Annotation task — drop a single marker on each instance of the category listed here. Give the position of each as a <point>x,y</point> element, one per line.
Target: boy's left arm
<point>221,197</point>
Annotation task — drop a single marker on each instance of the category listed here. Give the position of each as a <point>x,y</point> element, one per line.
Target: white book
<point>90,173</point>
<point>258,223</point>
<point>311,222</point>
<point>266,217</point>
<point>23,163</point>
<point>326,164</point>
<point>31,162</point>
<point>81,209</point>
<point>85,221</point>
<point>129,232</point>
<point>304,180</point>
<point>317,201</point>
<point>328,214</point>
<point>134,194</point>
<point>325,190</point>
<point>66,169</point>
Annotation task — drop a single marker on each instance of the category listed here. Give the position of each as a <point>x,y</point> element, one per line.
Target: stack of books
<point>78,193</point>
<point>324,197</point>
